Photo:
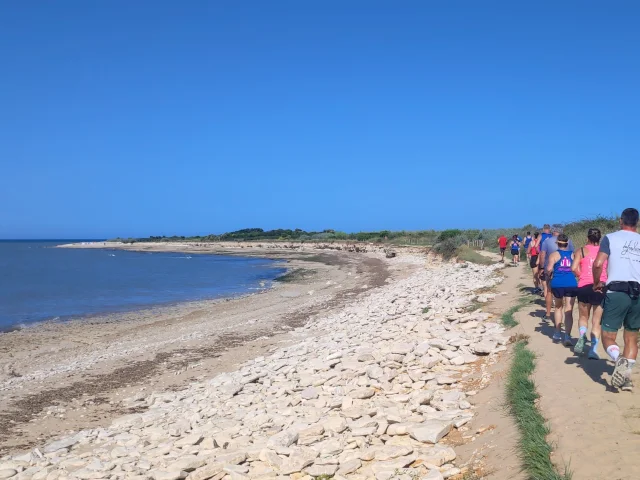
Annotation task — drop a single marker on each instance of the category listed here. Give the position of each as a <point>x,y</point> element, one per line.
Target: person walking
<point>532,254</point>
<point>621,304</point>
<point>515,249</point>
<point>589,301</point>
<point>547,247</point>
<point>502,243</point>
<point>564,287</point>
<point>527,242</point>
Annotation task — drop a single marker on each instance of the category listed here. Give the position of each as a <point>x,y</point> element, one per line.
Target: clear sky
<point>144,117</point>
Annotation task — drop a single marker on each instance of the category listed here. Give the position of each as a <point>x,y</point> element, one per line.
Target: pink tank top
<point>586,266</point>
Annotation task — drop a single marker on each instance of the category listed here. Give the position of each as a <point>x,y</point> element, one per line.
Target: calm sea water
<point>39,282</point>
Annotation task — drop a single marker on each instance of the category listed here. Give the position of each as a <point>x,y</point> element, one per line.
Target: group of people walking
<point>604,275</point>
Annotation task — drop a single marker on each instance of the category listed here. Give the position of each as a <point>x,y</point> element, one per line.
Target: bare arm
<point>575,266</point>
<point>598,265</point>
<point>541,257</point>
<point>553,258</point>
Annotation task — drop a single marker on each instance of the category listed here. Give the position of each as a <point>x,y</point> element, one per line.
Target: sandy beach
<point>56,377</point>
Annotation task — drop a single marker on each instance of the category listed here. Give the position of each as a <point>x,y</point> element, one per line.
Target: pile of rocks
<point>369,393</point>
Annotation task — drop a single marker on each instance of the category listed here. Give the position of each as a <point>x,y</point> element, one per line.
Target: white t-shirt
<point>623,248</point>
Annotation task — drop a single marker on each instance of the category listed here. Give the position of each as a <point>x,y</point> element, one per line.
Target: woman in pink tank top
<point>589,301</point>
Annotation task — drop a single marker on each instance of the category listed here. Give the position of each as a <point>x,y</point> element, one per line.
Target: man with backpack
<point>621,303</point>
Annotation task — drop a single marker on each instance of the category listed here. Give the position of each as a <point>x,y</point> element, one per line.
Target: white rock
<point>349,466</point>
<point>283,439</point>
<point>485,347</point>
<point>430,431</point>
<point>374,371</point>
<point>60,444</point>
<point>321,470</point>
<point>362,393</point>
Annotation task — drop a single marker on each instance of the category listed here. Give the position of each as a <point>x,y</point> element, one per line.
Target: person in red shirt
<point>502,243</point>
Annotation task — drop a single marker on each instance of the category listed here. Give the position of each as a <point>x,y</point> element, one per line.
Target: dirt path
<point>595,429</point>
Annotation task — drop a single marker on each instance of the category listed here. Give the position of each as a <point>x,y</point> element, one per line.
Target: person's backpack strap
<point>582,250</point>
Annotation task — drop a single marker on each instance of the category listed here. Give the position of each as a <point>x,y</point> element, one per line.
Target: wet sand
<point>59,377</point>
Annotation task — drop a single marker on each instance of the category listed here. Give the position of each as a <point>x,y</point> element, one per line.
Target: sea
<point>39,282</point>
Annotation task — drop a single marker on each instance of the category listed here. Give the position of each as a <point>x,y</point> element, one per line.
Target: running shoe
<point>627,386</point>
<point>593,355</point>
<point>619,375</point>
<point>557,336</point>
<point>579,348</point>
<point>568,341</point>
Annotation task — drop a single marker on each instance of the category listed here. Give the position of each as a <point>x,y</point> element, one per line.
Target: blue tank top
<point>543,237</point>
<point>527,241</point>
<point>515,245</point>
<point>562,274</point>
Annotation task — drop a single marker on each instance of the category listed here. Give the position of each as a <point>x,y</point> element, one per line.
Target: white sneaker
<point>619,376</point>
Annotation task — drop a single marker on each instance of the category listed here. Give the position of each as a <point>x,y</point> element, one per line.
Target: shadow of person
<point>596,369</point>
<point>546,328</point>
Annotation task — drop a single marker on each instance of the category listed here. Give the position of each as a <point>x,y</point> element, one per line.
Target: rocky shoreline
<point>372,391</point>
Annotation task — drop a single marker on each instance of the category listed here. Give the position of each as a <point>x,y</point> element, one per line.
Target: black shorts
<point>560,292</point>
<point>533,263</point>
<point>587,295</point>
<point>515,253</point>
<point>502,249</point>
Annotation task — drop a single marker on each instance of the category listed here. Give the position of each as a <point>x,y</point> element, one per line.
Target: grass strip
<point>508,319</point>
<point>535,451</point>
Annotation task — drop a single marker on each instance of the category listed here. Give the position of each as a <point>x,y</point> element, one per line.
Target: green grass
<point>425,310</point>
<point>470,255</point>
<point>508,319</point>
<point>535,451</point>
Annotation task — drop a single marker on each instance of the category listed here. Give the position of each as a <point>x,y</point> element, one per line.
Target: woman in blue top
<point>515,249</point>
<point>564,287</point>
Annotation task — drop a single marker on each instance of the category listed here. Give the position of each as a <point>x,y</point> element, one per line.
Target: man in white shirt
<point>622,300</point>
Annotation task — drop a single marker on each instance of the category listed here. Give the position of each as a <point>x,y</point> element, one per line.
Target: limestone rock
<point>430,431</point>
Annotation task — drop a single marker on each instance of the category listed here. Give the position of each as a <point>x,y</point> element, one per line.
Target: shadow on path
<point>595,369</point>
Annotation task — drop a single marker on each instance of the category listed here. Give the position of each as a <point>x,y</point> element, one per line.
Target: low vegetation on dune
<point>400,237</point>
<point>577,231</point>
<point>452,243</point>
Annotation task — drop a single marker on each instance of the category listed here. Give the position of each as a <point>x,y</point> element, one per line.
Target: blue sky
<point>162,117</point>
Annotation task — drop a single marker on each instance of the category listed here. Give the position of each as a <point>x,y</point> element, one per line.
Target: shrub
<point>447,234</point>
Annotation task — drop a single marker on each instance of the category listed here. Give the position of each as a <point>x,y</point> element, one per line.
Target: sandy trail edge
<point>494,446</point>
<point>73,376</point>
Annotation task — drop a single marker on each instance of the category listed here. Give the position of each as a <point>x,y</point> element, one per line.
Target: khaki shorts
<point>620,310</point>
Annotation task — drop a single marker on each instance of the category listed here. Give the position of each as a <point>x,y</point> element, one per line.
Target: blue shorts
<point>560,292</point>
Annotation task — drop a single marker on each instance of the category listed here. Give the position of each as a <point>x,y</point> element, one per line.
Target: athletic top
<point>589,253</point>
<point>623,248</point>
<point>544,236</point>
<point>502,241</point>
<point>527,241</point>
<point>549,246</point>
<point>534,248</point>
<point>515,245</point>
<point>563,277</point>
